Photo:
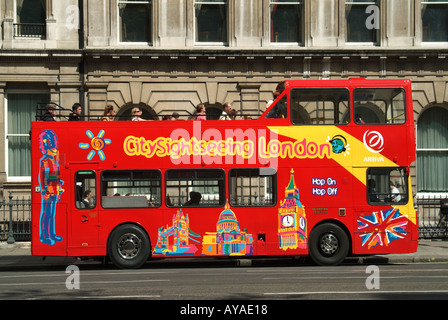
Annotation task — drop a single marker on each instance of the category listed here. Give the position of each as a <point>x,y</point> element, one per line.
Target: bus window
<point>326,106</point>
<point>85,189</point>
<point>379,105</point>
<point>195,187</point>
<point>387,186</point>
<point>131,189</point>
<point>253,187</point>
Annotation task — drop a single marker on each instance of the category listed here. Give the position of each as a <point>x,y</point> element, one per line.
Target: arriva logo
<point>374,141</point>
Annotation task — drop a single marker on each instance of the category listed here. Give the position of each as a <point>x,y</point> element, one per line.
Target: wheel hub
<point>329,243</point>
<point>129,245</point>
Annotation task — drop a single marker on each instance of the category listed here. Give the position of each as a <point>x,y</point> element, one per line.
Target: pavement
<point>18,255</point>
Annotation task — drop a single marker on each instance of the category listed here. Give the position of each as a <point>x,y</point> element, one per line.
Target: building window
<point>432,150</point>
<point>362,23</point>
<point>135,20</point>
<point>211,21</point>
<point>286,21</point>
<point>435,21</point>
<point>21,109</point>
<point>30,19</point>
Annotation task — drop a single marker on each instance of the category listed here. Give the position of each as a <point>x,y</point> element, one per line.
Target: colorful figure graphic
<point>382,227</point>
<point>97,143</point>
<point>292,219</point>
<point>228,238</point>
<point>50,186</point>
<point>339,144</point>
<point>181,234</point>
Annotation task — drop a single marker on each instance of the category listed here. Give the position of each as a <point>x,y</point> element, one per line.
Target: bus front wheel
<point>328,244</point>
<point>128,247</point>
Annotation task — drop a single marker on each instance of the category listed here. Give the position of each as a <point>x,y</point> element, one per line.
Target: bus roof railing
<point>42,108</point>
<point>62,114</point>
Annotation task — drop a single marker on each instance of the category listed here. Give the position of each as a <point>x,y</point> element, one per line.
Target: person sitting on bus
<point>87,198</point>
<point>225,113</point>
<point>396,197</point>
<point>232,114</point>
<point>195,198</point>
<point>200,113</point>
<point>371,192</point>
<point>136,113</point>
<point>50,114</point>
<point>275,95</point>
<point>76,112</point>
<point>358,119</point>
<point>109,113</point>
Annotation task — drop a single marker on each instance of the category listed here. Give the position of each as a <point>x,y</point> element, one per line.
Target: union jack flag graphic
<point>382,227</point>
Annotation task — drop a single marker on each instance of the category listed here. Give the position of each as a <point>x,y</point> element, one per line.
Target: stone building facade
<point>170,55</point>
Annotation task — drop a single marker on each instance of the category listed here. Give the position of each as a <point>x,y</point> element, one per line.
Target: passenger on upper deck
<point>136,113</point>
<point>76,112</point>
<point>225,113</point>
<point>200,113</point>
<point>275,94</point>
<point>109,113</point>
<point>50,114</point>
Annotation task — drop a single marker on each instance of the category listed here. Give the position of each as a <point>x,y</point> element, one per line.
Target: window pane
<point>195,188</point>
<point>85,189</point>
<point>18,156</point>
<point>31,11</point>
<point>320,106</point>
<point>432,150</point>
<point>435,21</point>
<point>356,17</point>
<point>379,105</point>
<point>286,21</point>
<point>131,189</point>
<point>432,171</point>
<point>135,21</point>
<point>30,19</point>
<point>253,187</point>
<point>387,186</point>
<point>211,21</point>
<point>21,111</point>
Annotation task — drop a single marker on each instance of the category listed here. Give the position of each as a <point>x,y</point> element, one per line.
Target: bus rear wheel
<point>128,247</point>
<point>328,245</point>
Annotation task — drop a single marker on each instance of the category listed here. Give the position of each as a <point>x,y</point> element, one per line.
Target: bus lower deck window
<point>131,189</point>
<point>195,187</point>
<point>253,187</point>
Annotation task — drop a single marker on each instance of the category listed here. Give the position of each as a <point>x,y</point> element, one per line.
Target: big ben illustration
<point>292,219</point>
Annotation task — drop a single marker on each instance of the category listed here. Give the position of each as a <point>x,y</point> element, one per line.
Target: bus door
<point>84,208</point>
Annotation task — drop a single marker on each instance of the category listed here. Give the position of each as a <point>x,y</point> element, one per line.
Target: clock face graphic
<point>287,221</point>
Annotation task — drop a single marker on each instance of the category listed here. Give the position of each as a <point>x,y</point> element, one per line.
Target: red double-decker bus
<point>324,172</point>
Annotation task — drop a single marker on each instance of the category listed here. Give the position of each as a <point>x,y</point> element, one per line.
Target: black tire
<point>128,247</point>
<point>328,245</point>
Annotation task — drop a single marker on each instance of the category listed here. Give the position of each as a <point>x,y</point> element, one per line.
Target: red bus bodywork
<point>318,175</point>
